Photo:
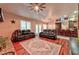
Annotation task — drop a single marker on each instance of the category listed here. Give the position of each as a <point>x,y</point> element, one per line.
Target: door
<point>38,28</point>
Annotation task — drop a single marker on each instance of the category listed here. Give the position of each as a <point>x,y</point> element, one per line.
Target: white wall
<point>7,28</point>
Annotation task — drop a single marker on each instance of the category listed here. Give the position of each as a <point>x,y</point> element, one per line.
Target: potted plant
<point>2,43</point>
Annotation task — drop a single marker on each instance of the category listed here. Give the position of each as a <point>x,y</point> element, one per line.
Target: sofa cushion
<point>24,32</point>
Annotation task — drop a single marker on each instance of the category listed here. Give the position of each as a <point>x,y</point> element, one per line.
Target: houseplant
<point>2,43</point>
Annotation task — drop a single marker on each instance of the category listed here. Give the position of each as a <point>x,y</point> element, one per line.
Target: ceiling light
<point>36,8</point>
<point>75,11</point>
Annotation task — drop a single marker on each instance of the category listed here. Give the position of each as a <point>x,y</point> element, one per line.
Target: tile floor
<point>74,46</point>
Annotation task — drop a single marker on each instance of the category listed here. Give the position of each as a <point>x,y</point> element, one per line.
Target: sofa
<point>50,34</point>
<point>67,33</point>
<point>19,35</point>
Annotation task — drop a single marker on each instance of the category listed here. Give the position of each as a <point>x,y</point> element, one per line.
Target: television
<point>1,16</point>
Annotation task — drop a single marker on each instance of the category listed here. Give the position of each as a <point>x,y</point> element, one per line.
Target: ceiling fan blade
<point>36,3</point>
<point>43,7</point>
<point>31,3</point>
<point>42,4</point>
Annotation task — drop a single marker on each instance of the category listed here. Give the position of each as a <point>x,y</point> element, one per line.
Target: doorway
<point>38,29</point>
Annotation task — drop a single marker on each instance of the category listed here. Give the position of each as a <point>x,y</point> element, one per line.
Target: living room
<point>35,28</point>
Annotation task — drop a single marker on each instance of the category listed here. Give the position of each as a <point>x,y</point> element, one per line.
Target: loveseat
<point>50,34</point>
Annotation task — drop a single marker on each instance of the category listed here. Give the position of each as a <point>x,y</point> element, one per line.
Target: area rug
<point>41,47</point>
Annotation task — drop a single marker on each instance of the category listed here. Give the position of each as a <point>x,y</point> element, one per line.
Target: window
<point>50,26</point>
<point>38,28</point>
<point>25,25</point>
<point>28,25</point>
<point>44,26</point>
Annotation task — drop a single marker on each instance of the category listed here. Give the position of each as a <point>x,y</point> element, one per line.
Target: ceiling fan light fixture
<point>36,8</point>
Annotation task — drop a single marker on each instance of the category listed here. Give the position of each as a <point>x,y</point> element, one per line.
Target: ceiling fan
<point>37,6</point>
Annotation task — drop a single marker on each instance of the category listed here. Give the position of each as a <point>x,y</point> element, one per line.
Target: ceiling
<point>52,11</point>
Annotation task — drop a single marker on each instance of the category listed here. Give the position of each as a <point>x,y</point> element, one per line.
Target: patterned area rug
<point>41,47</point>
